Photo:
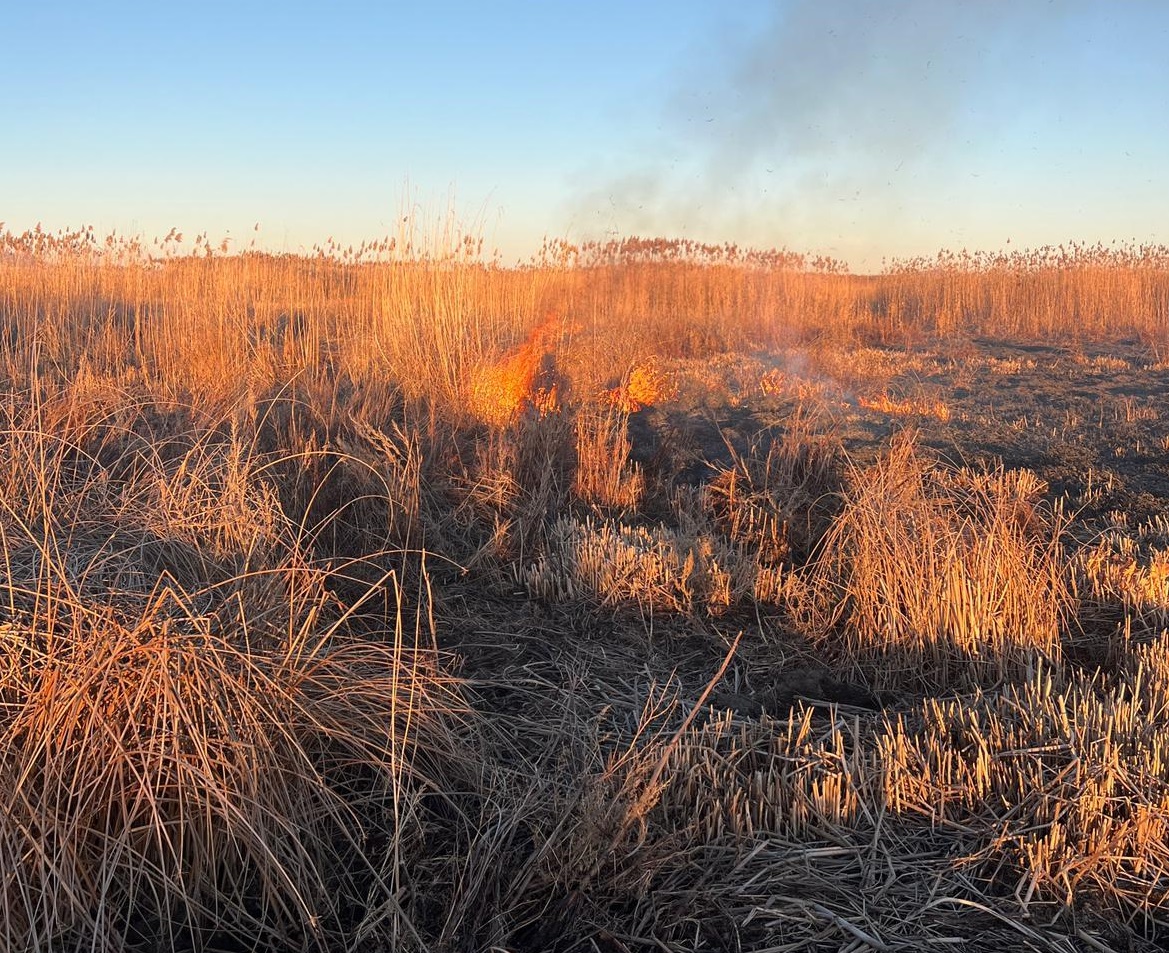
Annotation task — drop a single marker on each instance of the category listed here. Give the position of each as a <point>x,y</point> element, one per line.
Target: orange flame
<point>647,385</point>
<point>525,378</point>
<point>906,408</point>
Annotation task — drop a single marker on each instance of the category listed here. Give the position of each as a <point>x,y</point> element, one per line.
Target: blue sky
<point>859,129</point>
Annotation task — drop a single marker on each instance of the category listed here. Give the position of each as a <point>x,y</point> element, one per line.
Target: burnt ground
<point>1091,421</point>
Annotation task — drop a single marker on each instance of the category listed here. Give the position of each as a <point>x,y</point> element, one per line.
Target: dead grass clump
<point>181,761</point>
<point>196,742</point>
<point>1038,803</point>
<point>777,498</point>
<point>731,380</point>
<point>385,470</point>
<point>604,473</point>
<point>517,483</point>
<point>1124,577</point>
<point>787,777</point>
<point>167,780</point>
<point>654,568</point>
<point>907,407</point>
<point>213,498</point>
<point>933,580</point>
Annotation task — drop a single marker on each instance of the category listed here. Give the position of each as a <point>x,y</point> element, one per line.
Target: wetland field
<point>647,596</point>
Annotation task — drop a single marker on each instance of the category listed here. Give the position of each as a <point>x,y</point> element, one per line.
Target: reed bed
<point>337,612</point>
<point>433,317</point>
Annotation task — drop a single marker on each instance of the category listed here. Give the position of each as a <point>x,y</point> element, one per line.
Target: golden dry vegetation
<point>650,595</point>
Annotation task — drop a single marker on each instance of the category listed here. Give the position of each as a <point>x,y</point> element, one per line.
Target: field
<point>649,596</point>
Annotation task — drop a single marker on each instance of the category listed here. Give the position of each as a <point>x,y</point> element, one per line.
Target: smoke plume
<point>811,132</point>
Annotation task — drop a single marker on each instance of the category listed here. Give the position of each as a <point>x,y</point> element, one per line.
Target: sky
<point>866,130</point>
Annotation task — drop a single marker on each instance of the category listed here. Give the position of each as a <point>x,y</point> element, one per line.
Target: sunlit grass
<point>249,502</point>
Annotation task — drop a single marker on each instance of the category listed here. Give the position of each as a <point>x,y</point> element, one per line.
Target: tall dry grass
<point>198,739</point>
<point>434,318</point>
<point>934,580</point>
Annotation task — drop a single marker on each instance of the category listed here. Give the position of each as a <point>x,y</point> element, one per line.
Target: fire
<point>647,385</point>
<point>525,378</point>
<point>904,408</point>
